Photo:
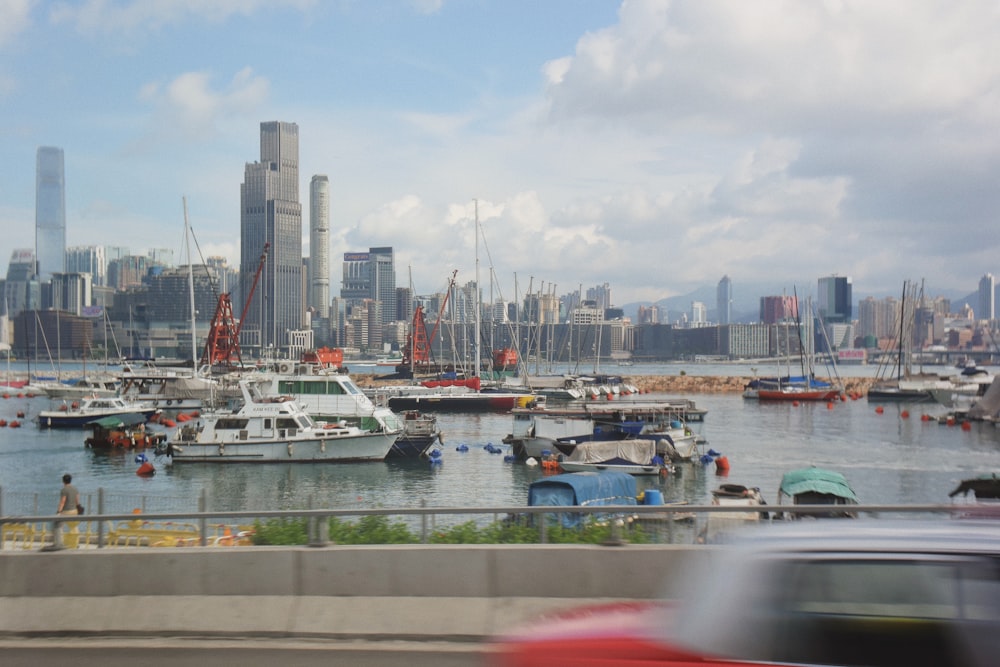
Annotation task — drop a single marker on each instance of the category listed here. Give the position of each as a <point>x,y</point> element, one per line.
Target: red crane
<point>418,352</point>
<point>223,344</point>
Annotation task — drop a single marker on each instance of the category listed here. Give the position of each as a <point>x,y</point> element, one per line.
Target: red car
<point>867,592</point>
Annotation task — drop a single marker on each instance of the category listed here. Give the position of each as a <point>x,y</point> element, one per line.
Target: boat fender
<point>222,448</point>
<point>531,462</point>
<point>706,459</point>
<point>289,449</point>
<point>322,446</point>
<point>462,448</point>
<point>140,458</point>
<point>722,464</point>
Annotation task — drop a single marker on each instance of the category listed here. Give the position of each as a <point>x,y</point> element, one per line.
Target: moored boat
<point>420,433</point>
<point>635,457</point>
<point>122,432</point>
<point>816,486</point>
<point>77,414</point>
<point>273,430</point>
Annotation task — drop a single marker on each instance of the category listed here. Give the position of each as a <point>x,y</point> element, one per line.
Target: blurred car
<point>867,592</point>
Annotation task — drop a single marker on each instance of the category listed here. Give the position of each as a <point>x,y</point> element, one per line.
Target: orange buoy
<point>15,424</point>
<point>950,421</point>
<point>795,404</point>
<point>169,423</point>
<point>722,464</point>
<point>146,470</point>
<point>966,426</point>
<point>3,422</point>
<point>925,418</point>
<point>879,410</point>
<point>829,405</point>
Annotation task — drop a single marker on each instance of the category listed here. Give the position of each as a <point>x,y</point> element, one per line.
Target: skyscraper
<point>724,300</point>
<point>834,299</point>
<point>987,298</point>
<point>319,245</point>
<point>270,213</point>
<point>50,212</point>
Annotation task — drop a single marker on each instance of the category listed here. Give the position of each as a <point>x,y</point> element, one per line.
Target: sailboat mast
<point>476,300</point>
<point>187,250</point>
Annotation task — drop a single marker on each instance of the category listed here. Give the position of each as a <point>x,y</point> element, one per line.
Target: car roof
<point>876,535</point>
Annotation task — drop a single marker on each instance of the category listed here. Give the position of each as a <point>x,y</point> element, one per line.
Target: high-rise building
<point>699,314</point>
<point>724,300</point>
<point>834,299</point>
<point>72,292</point>
<point>21,290</point>
<point>371,275</point>
<point>987,298</point>
<point>88,259</point>
<point>50,212</point>
<point>319,245</point>
<point>774,309</point>
<point>270,213</point>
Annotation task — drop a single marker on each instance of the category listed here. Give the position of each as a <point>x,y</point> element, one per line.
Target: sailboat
<point>805,387</point>
<point>905,386</point>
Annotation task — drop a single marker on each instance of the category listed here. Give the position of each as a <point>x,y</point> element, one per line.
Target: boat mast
<point>478,325</point>
<point>187,249</point>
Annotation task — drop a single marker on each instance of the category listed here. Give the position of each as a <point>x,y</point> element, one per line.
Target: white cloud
<point>191,106</point>
<point>16,17</point>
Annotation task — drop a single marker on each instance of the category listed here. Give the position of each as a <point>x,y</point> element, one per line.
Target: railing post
<point>423,522</point>
<point>319,528</point>
<point>202,521</point>
<point>100,511</point>
<point>2,526</point>
<point>543,518</point>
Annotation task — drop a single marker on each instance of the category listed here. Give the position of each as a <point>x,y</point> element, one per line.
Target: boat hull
<point>799,395</point>
<point>631,469</point>
<point>482,402</point>
<point>78,419</point>
<point>334,449</point>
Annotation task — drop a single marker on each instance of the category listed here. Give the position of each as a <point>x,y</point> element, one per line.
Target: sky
<point>651,145</point>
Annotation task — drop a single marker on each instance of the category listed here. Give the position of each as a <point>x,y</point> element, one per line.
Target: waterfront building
<point>319,245</point>
<point>21,287</point>
<point>744,341</point>
<point>160,256</point>
<point>774,309</point>
<point>724,300</point>
<point>127,272</point>
<point>72,292</point>
<point>699,314</point>
<point>404,304</point>
<point>987,298</point>
<point>88,259</point>
<point>50,212</point>
<point>601,295</point>
<point>877,319</point>
<point>270,213</point>
<point>834,299</point>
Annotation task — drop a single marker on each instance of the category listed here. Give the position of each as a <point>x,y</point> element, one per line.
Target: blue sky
<point>655,146</point>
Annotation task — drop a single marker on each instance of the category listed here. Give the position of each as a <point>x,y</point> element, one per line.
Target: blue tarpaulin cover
<point>582,488</point>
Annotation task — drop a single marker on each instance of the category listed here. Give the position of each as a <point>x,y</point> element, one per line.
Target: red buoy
<point>905,414</point>
<point>966,426</point>
<point>722,464</point>
<point>146,469</point>
<point>879,410</point>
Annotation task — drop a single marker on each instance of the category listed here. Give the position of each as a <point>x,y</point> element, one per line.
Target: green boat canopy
<point>817,480</point>
<point>119,421</point>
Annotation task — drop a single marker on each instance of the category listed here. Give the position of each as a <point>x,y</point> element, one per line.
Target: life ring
<point>170,402</point>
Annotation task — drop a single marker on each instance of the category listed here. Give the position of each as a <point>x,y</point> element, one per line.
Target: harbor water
<point>892,457</point>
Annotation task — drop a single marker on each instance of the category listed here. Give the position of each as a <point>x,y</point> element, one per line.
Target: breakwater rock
<point>711,384</point>
<point>667,384</point>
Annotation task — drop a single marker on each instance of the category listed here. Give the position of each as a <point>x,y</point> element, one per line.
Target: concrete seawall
<point>413,592</point>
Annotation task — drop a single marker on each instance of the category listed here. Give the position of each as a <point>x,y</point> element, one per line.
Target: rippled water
<point>887,458</point>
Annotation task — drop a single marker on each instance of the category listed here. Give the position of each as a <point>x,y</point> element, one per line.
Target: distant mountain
<point>746,301</point>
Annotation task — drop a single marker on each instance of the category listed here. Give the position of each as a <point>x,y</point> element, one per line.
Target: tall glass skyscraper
<point>50,212</point>
<point>270,212</point>
<point>724,300</point>
<point>834,299</point>
<point>987,298</point>
<point>319,245</point>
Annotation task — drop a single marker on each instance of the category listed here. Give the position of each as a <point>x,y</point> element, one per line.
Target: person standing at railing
<point>69,501</point>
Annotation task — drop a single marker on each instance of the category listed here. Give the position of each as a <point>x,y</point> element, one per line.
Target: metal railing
<point>663,524</point>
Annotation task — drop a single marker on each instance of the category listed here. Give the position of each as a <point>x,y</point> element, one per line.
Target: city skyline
<point>649,145</point>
